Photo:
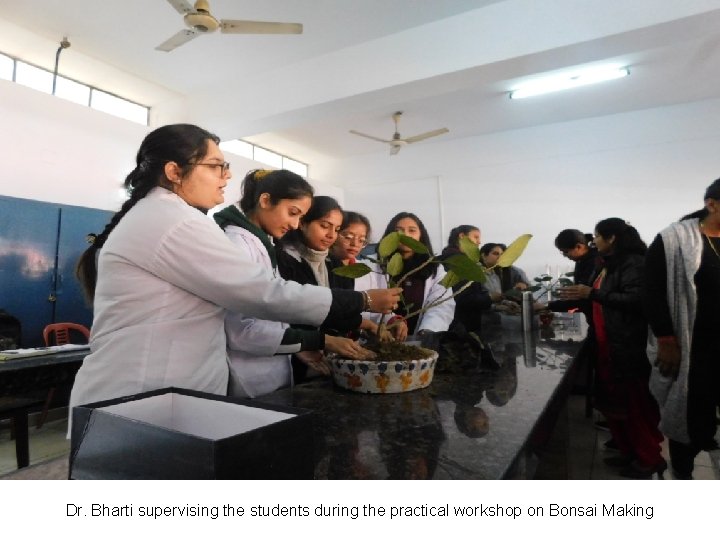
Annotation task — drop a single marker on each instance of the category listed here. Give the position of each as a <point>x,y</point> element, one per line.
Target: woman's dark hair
<point>712,192</point>
<point>569,238</point>
<point>487,248</point>
<point>321,206</point>
<point>424,236</point>
<point>627,239</point>
<point>184,144</point>
<point>454,238</point>
<point>417,258</point>
<point>350,218</point>
<point>280,184</point>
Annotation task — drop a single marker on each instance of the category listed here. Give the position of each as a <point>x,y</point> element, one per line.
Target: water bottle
<point>527,311</point>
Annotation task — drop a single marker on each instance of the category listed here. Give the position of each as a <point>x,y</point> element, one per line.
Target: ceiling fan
<point>397,142</point>
<point>200,21</point>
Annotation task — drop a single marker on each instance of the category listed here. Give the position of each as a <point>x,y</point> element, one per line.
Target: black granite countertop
<point>470,423</point>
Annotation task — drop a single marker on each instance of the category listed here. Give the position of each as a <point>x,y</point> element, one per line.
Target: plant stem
<point>423,265</point>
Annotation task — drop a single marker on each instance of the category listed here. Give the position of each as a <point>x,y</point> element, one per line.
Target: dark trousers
<point>702,403</point>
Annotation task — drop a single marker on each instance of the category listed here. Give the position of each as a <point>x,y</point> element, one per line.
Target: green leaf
<point>413,244</point>
<point>389,244</point>
<point>395,266</point>
<point>565,282</point>
<point>537,279</point>
<point>534,288</point>
<point>464,268</point>
<point>514,250</point>
<point>352,270</point>
<point>546,278</point>
<point>450,280</point>
<point>470,248</point>
<point>569,274</point>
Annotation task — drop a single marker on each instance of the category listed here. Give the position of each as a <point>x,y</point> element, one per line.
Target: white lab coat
<point>436,319</point>
<point>253,344</point>
<point>166,275</point>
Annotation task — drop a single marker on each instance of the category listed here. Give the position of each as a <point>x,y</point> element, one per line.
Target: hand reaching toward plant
<point>315,360</point>
<point>346,348</point>
<point>383,300</point>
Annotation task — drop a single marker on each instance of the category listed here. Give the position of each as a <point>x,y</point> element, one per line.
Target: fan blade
<point>259,27</point>
<point>181,6</point>
<point>395,149</point>
<point>426,135</point>
<point>378,139</point>
<point>183,36</point>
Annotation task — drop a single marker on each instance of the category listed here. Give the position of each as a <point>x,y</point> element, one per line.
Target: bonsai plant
<point>412,364</point>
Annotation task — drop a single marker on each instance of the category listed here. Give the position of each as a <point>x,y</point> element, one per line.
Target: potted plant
<point>401,367</point>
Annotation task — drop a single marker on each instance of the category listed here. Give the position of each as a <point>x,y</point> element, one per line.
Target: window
<point>268,157</point>
<point>34,77</point>
<point>102,101</point>
<point>6,67</point>
<point>295,166</point>
<point>72,91</point>
<point>238,147</point>
<point>263,155</point>
<point>12,69</point>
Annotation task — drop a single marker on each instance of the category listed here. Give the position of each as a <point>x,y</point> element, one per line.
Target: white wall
<point>648,167</point>
<point>57,151</point>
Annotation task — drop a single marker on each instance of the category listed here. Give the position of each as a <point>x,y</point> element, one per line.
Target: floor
<point>575,450</point>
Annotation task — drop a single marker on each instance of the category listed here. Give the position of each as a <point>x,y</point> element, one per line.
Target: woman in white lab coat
<point>166,273</point>
<point>259,350</point>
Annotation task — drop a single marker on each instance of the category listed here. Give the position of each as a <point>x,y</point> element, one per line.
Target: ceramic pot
<point>371,377</point>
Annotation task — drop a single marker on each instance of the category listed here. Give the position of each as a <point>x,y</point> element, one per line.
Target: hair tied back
<point>261,173</point>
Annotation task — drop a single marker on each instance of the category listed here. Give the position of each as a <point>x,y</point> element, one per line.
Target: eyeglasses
<point>350,238</point>
<point>224,166</point>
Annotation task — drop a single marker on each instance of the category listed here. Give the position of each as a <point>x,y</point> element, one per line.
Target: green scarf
<point>232,216</point>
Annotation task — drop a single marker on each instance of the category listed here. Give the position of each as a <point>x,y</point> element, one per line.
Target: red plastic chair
<point>61,332</point>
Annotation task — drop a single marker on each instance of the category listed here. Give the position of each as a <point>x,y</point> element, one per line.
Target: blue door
<point>75,224</point>
<point>28,246</point>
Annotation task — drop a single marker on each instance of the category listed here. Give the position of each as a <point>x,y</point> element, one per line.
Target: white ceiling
<point>446,63</point>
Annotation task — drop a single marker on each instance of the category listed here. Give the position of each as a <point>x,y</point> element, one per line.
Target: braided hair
<point>183,144</point>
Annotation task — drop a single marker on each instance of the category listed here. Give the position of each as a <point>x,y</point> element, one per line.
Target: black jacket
<point>336,323</point>
<point>621,298</point>
<point>585,269</point>
<point>470,303</point>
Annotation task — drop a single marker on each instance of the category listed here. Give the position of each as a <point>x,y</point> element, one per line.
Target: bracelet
<point>368,301</point>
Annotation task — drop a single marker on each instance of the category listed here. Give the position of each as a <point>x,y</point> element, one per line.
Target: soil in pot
<point>393,351</point>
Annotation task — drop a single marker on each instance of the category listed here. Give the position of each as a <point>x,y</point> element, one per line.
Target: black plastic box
<point>175,433</point>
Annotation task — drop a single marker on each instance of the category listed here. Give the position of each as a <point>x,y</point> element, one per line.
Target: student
<point>683,288</point>
<point>272,204</point>
<point>353,236</point>
<point>620,335</point>
<point>475,299</point>
<point>422,288</point>
<point>165,275</point>
<point>501,280</point>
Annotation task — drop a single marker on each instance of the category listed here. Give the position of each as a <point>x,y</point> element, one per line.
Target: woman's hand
<point>496,297</point>
<point>575,292</point>
<point>315,360</point>
<point>668,357</point>
<point>346,348</point>
<point>384,300</point>
<point>521,286</point>
<point>400,330</point>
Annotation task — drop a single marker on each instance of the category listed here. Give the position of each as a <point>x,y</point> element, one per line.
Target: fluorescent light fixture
<point>574,79</point>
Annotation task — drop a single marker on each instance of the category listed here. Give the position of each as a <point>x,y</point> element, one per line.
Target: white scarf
<point>316,260</point>
<point>683,253</point>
